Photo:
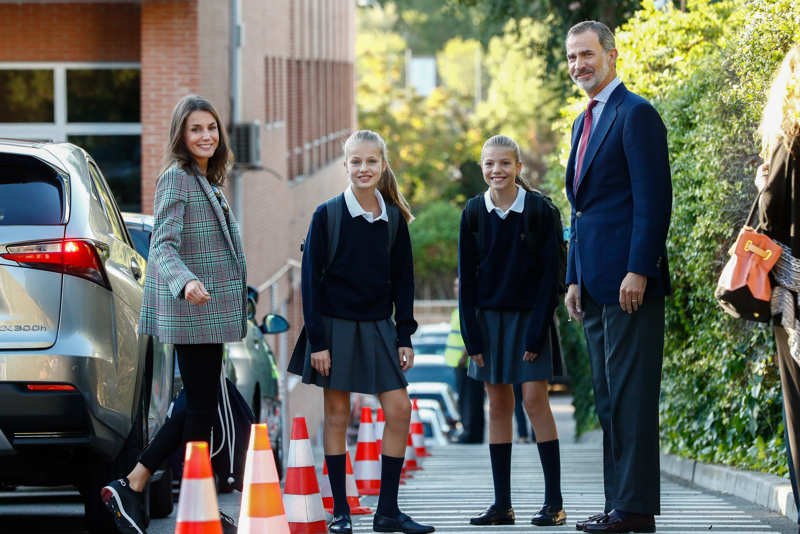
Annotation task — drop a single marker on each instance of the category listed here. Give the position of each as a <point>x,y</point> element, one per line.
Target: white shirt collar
<point>355,208</point>
<point>517,206</point>
<point>604,95</point>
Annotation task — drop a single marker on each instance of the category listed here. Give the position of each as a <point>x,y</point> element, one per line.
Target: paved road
<point>454,485</point>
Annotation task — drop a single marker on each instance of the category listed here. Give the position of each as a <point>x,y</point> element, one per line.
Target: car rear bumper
<point>88,417</point>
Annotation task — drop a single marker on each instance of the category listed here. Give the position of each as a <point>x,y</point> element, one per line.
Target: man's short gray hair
<point>604,33</point>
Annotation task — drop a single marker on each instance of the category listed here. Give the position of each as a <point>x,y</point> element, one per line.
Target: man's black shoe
<point>493,516</point>
<point>549,516</point>
<point>228,524</point>
<point>581,525</point>
<point>126,506</point>
<point>341,524</point>
<point>398,523</point>
<point>623,522</point>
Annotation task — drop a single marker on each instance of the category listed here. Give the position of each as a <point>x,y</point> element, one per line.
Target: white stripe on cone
<point>263,469</point>
<point>300,454</point>
<point>379,426</point>
<point>325,486</point>
<point>352,490</point>
<point>303,509</point>
<point>263,525</point>
<point>367,470</point>
<point>198,500</point>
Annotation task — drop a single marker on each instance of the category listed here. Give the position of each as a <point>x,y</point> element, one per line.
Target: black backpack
<point>537,205</point>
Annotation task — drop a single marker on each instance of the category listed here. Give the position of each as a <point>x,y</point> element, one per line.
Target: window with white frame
<point>93,105</point>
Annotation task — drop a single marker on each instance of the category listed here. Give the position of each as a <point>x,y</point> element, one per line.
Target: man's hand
<point>573,303</point>
<point>631,291</point>
<point>195,292</point>
<point>477,358</point>
<point>529,356</point>
<point>321,362</point>
<point>406,355</point>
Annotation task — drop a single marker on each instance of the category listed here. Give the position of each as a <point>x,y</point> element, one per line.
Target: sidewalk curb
<point>770,491</point>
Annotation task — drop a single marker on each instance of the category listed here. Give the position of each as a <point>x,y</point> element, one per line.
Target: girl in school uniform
<point>352,344</point>
<point>507,300</point>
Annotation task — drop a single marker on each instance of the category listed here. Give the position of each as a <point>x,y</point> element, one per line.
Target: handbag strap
<point>753,208</point>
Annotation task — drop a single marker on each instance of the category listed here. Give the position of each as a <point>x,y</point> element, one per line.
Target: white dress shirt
<point>356,210</point>
<point>518,205</point>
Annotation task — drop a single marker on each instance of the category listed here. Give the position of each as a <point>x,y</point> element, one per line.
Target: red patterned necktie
<point>587,131</point>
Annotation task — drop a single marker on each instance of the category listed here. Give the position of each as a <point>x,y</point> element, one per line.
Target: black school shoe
<point>493,516</point>
<point>398,523</point>
<point>340,524</point>
<point>549,516</point>
<point>126,506</point>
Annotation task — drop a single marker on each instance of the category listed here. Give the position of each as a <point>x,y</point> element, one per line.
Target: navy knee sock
<point>391,467</point>
<point>337,474</point>
<point>550,456</point>
<point>500,454</point>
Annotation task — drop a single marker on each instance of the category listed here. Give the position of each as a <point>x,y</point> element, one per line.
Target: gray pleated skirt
<point>364,357</point>
<point>503,348</point>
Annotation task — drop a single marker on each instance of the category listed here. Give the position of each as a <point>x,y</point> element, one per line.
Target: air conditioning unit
<point>246,144</point>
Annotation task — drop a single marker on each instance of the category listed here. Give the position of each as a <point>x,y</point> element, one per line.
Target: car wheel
<point>100,472</point>
<point>161,493</point>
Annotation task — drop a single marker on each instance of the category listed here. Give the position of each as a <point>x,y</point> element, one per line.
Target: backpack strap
<point>476,222</point>
<point>334,208</point>
<point>393,213</point>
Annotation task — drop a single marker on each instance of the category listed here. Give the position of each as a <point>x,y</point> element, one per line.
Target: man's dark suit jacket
<point>621,213</point>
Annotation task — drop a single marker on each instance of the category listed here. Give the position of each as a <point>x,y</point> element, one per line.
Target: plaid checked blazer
<point>191,240</point>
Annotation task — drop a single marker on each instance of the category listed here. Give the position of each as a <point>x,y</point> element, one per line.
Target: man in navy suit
<point>618,182</point>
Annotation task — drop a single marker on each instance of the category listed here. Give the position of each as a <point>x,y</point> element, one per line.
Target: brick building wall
<point>170,70</point>
<point>40,32</point>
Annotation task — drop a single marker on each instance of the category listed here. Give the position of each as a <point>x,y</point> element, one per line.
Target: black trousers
<point>470,405</point>
<point>790,387</point>
<point>200,366</point>
<point>626,353</point>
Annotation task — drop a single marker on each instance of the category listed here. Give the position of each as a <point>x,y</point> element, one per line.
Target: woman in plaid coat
<point>195,290</point>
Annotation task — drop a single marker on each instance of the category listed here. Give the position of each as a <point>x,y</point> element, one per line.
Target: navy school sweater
<point>508,277</point>
<point>362,283</point>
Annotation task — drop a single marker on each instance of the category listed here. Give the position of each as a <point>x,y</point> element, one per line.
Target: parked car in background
<point>431,368</point>
<point>81,393</point>
<point>442,394</point>
<point>432,416</point>
<point>250,363</point>
<point>431,338</point>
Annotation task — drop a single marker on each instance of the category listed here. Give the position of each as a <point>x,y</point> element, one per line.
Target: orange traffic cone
<point>368,467</point>
<point>301,496</point>
<point>410,463</point>
<point>197,505</point>
<point>352,491</point>
<point>262,506</point>
<point>417,432</point>
<point>380,424</point>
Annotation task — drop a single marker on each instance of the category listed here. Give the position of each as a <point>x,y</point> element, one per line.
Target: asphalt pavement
<point>454,485</point>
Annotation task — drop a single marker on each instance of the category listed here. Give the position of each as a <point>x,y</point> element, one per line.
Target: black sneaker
<point>126,506</point>
<point>228,524</point>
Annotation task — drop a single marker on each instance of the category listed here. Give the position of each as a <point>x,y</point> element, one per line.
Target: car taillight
<point>51,387</point>
<point>78,257</point>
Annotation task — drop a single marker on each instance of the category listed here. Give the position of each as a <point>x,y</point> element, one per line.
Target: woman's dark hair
<point>178,153</point>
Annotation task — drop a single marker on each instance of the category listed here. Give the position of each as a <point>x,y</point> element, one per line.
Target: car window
<point>432,373</point>
<point>429,348</point>
<point>31,192</point>
<point>108,205</point>
<point>141,240</point>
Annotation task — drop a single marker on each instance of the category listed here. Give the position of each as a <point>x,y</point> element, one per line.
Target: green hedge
<point>707,71</point>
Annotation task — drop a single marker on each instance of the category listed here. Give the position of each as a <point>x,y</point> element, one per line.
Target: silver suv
<point>80,391</point>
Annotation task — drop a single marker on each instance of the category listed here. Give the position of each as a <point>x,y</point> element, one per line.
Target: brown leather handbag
<point>744,289</point>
